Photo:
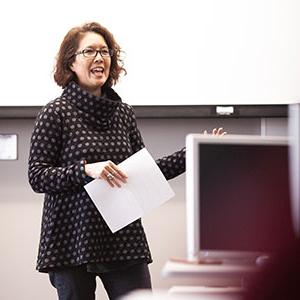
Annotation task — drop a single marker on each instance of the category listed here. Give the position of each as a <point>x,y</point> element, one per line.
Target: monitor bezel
<point>294,162</point>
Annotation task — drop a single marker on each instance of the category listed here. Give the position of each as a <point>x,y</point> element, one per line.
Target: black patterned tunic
<point>69,131</point>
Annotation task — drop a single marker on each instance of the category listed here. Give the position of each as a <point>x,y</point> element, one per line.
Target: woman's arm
<point>172,165</point>
<point>45,174</point>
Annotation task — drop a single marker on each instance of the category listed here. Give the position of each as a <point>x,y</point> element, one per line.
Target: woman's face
<point>92,72</point>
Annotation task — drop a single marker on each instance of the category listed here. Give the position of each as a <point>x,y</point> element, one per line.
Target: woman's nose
<point>98,57</point>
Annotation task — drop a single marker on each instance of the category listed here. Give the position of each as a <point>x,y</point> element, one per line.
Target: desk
<point>200,271</point>
<point>219,288</point>
<point>188,293</point>
<point>222,281</point>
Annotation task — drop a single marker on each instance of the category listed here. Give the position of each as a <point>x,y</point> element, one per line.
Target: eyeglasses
<point>92,53</point>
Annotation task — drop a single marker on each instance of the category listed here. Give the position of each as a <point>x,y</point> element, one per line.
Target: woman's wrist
<point>86,168</point>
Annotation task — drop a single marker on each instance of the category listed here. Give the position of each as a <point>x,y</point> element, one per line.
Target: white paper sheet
<point>146,189</point>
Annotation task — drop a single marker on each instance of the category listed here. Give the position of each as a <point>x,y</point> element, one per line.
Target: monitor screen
<point>238,194</point>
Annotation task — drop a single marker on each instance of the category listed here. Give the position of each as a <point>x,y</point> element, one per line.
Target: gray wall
<point>20,207</point>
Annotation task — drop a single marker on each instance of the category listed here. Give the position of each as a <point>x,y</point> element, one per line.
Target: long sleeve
<point>170,165</point>
<point>45,174</point>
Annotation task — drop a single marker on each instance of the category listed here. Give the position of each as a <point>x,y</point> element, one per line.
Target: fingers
<point>115,171</point>
<point>113,175</point>
<point>217,132</point>
<point>110,179</point>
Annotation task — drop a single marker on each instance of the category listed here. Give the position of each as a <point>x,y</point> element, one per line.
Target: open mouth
<point>98,71</point>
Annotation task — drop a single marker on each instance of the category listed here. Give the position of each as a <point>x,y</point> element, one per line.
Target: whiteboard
<point>191,52</point>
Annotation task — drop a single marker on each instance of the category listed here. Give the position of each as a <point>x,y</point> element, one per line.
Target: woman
<point>81,135</point>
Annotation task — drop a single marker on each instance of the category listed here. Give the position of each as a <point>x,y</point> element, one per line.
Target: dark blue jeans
<point>78,284</point>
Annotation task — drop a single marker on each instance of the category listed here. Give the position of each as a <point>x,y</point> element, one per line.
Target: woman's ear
<point>71,67</point>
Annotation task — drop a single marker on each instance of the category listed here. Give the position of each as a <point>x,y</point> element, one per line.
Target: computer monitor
<point>238,196</point>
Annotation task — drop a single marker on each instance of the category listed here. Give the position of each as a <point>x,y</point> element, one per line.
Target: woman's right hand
<point>107,171</point>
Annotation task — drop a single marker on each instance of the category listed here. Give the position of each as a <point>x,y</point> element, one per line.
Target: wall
<point>20,207</point>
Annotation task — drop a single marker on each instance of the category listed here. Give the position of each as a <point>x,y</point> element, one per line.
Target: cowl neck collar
<point>97,111</point>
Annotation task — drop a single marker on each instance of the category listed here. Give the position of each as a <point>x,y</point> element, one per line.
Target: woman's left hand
<point>217,131</point>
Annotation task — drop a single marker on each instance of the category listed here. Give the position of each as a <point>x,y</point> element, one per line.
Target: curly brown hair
<point>65,57</point>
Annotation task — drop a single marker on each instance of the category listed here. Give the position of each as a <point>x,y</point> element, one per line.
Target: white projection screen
<point>188,52</point>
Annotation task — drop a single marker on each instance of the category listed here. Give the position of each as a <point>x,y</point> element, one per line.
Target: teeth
<point>97,70</point>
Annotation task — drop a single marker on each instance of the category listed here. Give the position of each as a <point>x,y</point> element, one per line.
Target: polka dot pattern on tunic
<point>69,131</point>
